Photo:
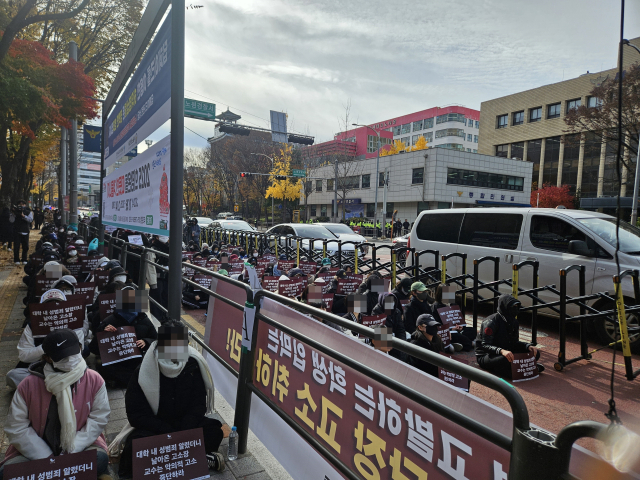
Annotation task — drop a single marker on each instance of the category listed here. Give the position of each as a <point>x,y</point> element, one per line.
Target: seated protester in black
<point>126,315</point>
<point>372,287</point>
<point>94,315</point>
<point>172,390</point>
<point>463,334</point>
<point>389,305</point>
<point>499,339</point>
<point>403,289</point>
<point>339,306</point>
<point>418,305</point>
<point>193,297</point>
<point>205,252</point>
<point>426,336</point>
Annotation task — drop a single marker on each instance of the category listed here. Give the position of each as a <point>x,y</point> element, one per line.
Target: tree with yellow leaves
<point>286,189</point>
<point>399,146</point>
<point>421,144</point>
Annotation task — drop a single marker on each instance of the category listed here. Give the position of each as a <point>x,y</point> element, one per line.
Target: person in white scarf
<point>172,390</point>
<point>62,407</point>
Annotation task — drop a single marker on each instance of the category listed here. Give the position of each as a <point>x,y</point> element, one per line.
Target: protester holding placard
<point>127,313</point>
<point>461,334</point>
<point>372,287</point>
<point>47,417</point>
<point>389,305</point>
<point>172,390</point>
<point>499,339</point>
<point>30,347</point>
<point>426,336</point>
<point>418,305</point>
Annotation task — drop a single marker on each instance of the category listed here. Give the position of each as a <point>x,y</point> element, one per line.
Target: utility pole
<point>384,204</point>
<point>335,192</point>
<point>73,155</point>
<point>63,173</point>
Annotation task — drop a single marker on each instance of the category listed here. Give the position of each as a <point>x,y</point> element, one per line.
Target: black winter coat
<point>412,311</point>
<point>183,402</point>
<point>435,345</point>
<point>499,332</point>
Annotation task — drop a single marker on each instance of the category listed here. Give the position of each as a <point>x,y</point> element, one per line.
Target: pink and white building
<point>452,127</point>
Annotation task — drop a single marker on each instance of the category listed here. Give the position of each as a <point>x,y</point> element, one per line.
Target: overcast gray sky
<point>308,58</point>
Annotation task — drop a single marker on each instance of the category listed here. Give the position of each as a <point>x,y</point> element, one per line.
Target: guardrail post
<point>622,320</point>
<point>340,254</point>
<point>324,249</point>
<point>123,255</point>
<point>298,252</point>
<point>393,269</point>
<point>355,261</point>
<point>245,377</point>
<point>142,275</point>
<point>475,294</point>
<point>443,271</point>
<point>464,281</point>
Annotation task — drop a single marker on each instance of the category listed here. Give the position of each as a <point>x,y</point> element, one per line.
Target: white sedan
<point>345,234</point>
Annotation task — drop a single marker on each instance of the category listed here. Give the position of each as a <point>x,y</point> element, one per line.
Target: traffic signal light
<point>234,129</point>
<point>301,139</point>
<point>281,177</point>
<point>245,174</point>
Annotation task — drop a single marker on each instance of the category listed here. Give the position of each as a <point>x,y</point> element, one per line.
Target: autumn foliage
<point>398,146</point>
<point>551,197</point>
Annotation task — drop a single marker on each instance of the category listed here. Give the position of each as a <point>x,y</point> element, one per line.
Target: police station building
<point>420,180</point>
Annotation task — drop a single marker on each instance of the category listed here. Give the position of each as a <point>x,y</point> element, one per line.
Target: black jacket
<point>182,406</point>
<point>23,225</point>
<point>339,306</point>
<point>412,311</point>
<point>435,345</point>
<point>394,319</point>
<point>434,310</point>
<point>499,332</point>
<point>145,330</point>
<point>400,294</point>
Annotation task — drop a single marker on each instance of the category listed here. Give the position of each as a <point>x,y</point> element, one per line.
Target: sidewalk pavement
<point>12,291</point>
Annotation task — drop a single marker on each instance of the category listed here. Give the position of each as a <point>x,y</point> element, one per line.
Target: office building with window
<point>530,126</point>
<point>420,180</point>
<point>453,127</point>
<point>88,174</point>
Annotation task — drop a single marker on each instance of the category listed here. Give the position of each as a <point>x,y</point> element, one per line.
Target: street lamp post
<point>375,212</point>
<point>272,167</point>
<point>636,180</point>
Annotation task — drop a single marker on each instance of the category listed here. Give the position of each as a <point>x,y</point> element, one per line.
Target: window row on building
<point>372,143</point>
<point>324,210</point>
<point>356,182</point>
<point>587,167</point>
<point>458,176</point>
<point>428,123</point>
<point>550,111</point>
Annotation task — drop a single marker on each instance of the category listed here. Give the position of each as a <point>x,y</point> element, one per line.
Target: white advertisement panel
<point>136,195</point>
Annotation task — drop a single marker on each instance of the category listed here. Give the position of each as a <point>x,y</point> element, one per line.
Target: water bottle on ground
<point>233,444</point>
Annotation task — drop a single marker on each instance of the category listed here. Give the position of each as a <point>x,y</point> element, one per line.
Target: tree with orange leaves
<point>36,93</point>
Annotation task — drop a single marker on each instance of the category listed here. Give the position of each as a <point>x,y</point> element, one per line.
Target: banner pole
<point>177,150</point>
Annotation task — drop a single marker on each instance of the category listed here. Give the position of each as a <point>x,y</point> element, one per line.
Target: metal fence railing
<point>534,453</point>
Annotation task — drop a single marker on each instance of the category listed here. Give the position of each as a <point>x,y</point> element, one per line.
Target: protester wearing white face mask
<point>30,347</point>
<point>62,407</point>
<point>67,284</point>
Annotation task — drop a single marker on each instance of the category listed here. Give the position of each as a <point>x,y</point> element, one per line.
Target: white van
<point>555,238</point>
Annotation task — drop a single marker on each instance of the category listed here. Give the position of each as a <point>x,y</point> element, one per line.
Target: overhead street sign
<point>199,110</point>
<point>298,173</point>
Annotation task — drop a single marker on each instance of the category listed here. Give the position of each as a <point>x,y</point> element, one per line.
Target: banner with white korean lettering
<point>376,431</point>
<point>146,102</point>
<point>70,466</point>
<point>136,195</point>
<point>118,346</point>
<point>171,455</point>
<point>106,305</point>
<point>47,317</point>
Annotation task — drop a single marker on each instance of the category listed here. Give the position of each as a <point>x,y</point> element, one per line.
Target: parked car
<point>203,222</point>
<point>311,231</point>
<point>555,238</point>
<point>346,234</point>
<point>224,215</point>
<point>233,225</point>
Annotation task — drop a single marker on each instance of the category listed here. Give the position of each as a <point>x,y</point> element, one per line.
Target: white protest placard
<point>136,239</point>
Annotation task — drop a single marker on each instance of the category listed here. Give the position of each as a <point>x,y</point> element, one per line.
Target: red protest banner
<point>74,268</point>
<point>202,280</point>
<point>47,317</point>
<point>118,346</point>
<point>171,455</point>
<point>78,466</point>
<point>453,378</point>
<point>106,304</point>
<point>101,278</point>
<point>45,282</point>
<point>291,288</point>
<point>327,300</point>
<point>236,267</point>
<point>90,263</point>
<point>524,367</point>
<point>85,298</point>
<point>199,262</point>
<point>374,430</point>
<point>309,268</point>
<point>451,315</point>
<point>85,287</point>
<point>270,283</point>
<point>286,265</point>
<point>349,284</point>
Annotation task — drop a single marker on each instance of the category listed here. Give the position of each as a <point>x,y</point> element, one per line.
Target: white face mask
<point>120,278</point>
<point>255,254</point>
<point>69,363</point>
<point>67,292</point>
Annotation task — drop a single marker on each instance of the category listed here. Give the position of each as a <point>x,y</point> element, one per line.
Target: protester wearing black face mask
<point>462,334</point>
<point>499,339</point>
<point>418,305</point>
<point>426,336</point>
<point>403,289</point>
